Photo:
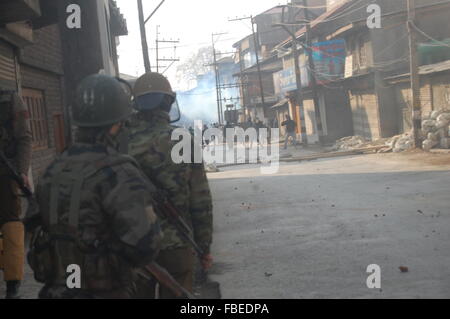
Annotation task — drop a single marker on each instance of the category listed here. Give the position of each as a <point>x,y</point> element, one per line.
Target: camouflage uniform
<point>15,143</point>
<point>186,187</point>
<point>99,203</point>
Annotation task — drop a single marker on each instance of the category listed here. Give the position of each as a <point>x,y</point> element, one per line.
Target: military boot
<point>12,289</point>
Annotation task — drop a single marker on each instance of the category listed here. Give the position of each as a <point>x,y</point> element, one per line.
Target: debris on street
<point>435,129</point>
<point>211,168</point>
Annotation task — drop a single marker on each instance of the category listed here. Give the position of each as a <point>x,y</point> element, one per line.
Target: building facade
<point>361,70</point>
<point>39,61</point>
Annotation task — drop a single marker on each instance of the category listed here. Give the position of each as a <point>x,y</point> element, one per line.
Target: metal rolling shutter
<point>8,75</point>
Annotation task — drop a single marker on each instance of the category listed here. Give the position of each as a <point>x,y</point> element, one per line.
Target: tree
<point>197,64</point>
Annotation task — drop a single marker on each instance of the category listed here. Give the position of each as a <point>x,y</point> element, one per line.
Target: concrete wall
<point>434,95</point>
<point>441,91</point>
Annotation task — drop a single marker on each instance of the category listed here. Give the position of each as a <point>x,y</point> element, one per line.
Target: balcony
<point>18,10</point>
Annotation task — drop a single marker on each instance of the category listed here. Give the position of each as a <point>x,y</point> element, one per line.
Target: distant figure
<point>191,130</point>
<point>259,125</point>
<point>290,130</point>
<point>249,139</point>
<point>206,141</point>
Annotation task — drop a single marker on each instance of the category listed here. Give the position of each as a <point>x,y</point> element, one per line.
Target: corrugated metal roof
<point>424,70</point>
<point>434,68</point>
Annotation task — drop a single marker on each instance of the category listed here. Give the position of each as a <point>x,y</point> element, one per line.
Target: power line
<point>428,36</point>
<point>308,7</point>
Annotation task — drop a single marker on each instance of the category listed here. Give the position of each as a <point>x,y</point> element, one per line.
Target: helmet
<point>151,90</point>
<point>101,100</point>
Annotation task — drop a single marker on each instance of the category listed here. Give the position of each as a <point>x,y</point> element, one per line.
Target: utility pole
<point>415,79</point>
<point>158,59</point>
<point>243,88</point>
<point>298,80</point>
<point>147,65</point>
<point>258,65</point>
<point>218,84</point>
<point>299,98</point>
<point>157,48</point>
<point>142,23</point>
<point>312,69</point>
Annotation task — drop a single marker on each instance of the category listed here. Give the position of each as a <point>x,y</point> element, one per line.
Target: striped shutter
<point>8,77</point>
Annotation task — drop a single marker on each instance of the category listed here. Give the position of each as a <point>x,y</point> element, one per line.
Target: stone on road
<point>312,229</point>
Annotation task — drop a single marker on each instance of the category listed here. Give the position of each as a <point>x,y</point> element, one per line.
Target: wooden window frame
<point>34,99</point>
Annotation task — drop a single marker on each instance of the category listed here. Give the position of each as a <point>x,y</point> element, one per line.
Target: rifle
<point>165,279</point>
<point>16,176</point>
<point>174,217</point>
<point>26,191</point>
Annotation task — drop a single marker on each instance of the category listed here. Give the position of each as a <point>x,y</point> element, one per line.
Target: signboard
<point>304,72</point>
<point>287,81</point>
<point>329,59</point>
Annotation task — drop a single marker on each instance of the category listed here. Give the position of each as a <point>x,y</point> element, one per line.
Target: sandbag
<point>429,144</point>
<point>444,117</point>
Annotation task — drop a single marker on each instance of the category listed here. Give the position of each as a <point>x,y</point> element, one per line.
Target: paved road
<point>311,230</point>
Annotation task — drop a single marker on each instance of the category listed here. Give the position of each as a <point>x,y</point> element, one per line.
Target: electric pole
<point>415,80</point>
<point>312,69</point>
<point>147,65</point>
<point>142,23</point>
<point>298,80</point>
<point>157,48</point>
<point>299,97</point>
<point>258,65</point>
<point>218,84</point>
<point>241,76</point>
<point>172,60</point>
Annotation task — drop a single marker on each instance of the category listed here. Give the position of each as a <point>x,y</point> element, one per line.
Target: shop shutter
<point>7,67</point>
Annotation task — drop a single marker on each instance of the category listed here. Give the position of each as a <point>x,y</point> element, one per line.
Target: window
<point>362,52</point>
<point>34,99</point>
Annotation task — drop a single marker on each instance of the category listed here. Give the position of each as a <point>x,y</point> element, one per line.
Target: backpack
<point>53,249</point>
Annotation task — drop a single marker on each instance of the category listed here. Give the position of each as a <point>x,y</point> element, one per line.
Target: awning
<point>282,103</point>
<point>423,70</point>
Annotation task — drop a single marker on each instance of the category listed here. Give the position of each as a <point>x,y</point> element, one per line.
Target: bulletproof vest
<point>57,246</point>
<point>7,144</point>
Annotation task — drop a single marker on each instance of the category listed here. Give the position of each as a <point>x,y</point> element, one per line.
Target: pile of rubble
<point>401,143</point>
<point>356,142</point>
<point>436,130</point>
<point>211,168</point>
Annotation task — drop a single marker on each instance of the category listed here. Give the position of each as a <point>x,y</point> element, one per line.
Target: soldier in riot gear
<point>95,204</point>
<point>185,185</point>
<point>15,145</point>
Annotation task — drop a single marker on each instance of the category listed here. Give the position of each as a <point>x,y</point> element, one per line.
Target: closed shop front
<point>366,119</point>
<point>8,74</point>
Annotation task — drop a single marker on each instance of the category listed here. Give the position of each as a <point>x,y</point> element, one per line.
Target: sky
<point>190,21</point>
